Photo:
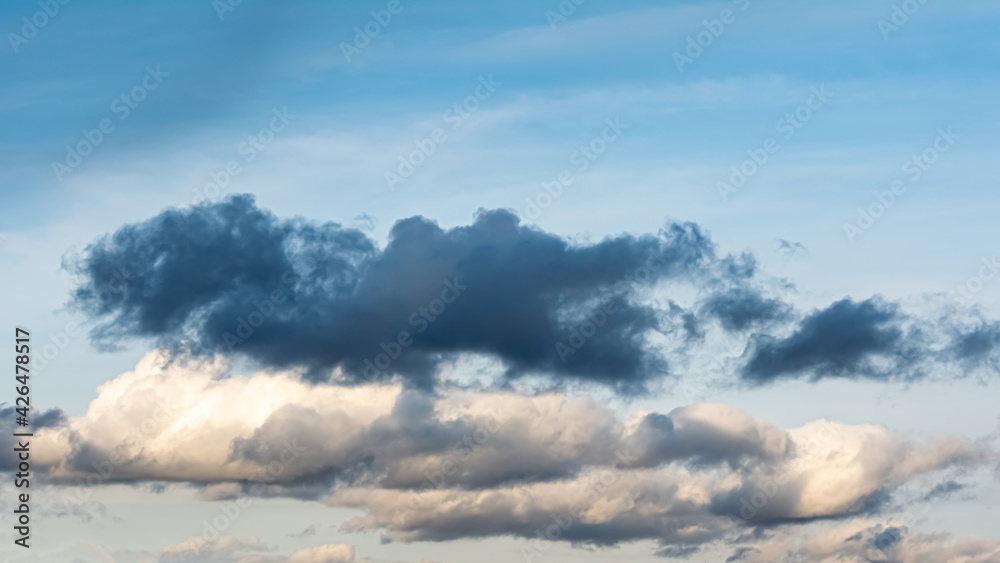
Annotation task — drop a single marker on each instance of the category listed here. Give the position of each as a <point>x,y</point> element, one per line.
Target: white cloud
<point>474,464</point>
<point>332,553</point>
<point>224,546</point>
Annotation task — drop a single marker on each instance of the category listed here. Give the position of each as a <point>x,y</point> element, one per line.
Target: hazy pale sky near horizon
<point>848,148</point>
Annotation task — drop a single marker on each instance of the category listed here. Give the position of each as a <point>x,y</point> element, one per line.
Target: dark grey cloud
<point>887,538</point>
<point>870,339</point>
<point>976,345</point>
<point>846,339</point>
<point>39,419</point>
<point>739,554</point>
<point>230,277</point>
<point>47,418</point>
<point>944,490</point>
<point>741,308</point>
<point>678,551</point>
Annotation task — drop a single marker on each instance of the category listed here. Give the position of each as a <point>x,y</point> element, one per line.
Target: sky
<point>412,281</point>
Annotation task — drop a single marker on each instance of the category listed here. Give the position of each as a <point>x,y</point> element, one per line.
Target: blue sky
<point>219,76</point>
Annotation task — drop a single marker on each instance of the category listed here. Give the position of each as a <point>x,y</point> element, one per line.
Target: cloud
<point>741,308</point>
<point>331,553</point>
<point>224,546</point>
<point>678,551</point>
<point>944,490</point>
<point>844,339</point>
<point>228,548</point>
<point>627,312</point>
<point>875,339</point>
<point>44,419</point>
<point>976,344</point>
<point>471,464</point>
<point>791,249</point>
<point>232,278</point>
<point>308,532</point>
<point>863,541</point>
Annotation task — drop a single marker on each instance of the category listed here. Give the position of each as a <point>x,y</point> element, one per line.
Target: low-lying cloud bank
<point>230,549</point>
<point>864,541</point>
<point>854,541</point>
<point>469,464</point>
<point>232,278</point>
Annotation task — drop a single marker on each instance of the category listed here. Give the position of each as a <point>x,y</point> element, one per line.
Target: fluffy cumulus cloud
<point>232,278</point>
<point>469,464</point>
